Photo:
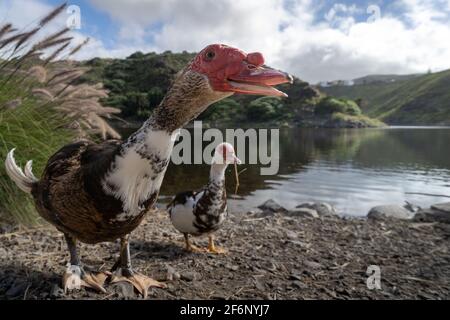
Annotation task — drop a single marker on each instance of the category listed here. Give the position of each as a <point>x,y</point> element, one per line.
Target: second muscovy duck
<point>203,212</point>
<point>101,192</point>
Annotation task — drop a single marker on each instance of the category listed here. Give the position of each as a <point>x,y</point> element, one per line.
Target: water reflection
<point>351,169</point>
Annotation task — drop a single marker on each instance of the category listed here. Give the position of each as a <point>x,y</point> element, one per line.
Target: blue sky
<point>315,40</point>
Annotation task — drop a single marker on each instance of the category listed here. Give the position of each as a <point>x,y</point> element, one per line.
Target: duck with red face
<point>96,192</point>
<point>232,70</point>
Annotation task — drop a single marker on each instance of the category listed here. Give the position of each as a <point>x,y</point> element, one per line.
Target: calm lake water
<point>352,169</point>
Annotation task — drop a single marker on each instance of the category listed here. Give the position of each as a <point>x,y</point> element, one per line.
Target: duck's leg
<point>189,246</point>
<point>75,276</point>
<point>125,272</point>
<point>212,248</point>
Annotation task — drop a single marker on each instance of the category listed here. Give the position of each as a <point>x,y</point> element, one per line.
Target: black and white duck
<point>202,212</point>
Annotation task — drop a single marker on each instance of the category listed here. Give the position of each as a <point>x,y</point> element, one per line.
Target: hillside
<point>415,100</point>
<point>384,78</point>
<point>138,83</point>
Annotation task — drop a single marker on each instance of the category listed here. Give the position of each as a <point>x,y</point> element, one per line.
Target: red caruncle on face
<point>231,70</point>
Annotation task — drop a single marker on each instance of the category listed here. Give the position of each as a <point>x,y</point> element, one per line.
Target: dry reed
<point>53,82</point>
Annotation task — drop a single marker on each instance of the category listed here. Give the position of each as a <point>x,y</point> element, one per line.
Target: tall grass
<point>36,133</point>
<point>43,105</point>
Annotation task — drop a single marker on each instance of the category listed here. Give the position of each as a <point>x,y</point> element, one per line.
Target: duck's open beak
<point>258,81</point>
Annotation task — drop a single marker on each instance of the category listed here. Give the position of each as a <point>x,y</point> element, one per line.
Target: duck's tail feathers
<point>23,179</point>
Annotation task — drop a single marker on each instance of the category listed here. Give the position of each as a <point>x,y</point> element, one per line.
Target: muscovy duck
<point>203,212</point>
<point>97,192</point>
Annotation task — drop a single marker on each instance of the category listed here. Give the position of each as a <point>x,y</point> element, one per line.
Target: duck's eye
<point>210,55</point>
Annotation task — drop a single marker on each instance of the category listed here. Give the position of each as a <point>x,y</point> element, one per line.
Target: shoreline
<point>135,124</point>
<point>277,256</point>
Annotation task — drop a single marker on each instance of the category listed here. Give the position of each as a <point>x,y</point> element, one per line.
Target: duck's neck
<point>189,96</point>
<point>137,172</point>
<point>217,173</point>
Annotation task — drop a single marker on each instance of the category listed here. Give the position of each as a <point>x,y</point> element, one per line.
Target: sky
<point>319,40</point>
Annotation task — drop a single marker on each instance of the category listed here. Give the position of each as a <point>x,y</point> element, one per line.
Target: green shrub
<point>264,109</point>
<point>362,120</point>
<point>224,111</point>
<point>329,105</point>
<point>155,96</point>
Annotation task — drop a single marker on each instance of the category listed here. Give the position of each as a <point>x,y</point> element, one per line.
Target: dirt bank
<point>276,257</point>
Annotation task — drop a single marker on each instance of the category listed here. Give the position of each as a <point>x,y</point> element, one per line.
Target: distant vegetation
<point>138,83</point>
<point>408,100</point>
<point>331,105</point>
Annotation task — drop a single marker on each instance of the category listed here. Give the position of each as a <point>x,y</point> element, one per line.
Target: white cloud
<point>339,47</point>
<point>25,14</point>
<point>22,12</point>
<point>287,33</point>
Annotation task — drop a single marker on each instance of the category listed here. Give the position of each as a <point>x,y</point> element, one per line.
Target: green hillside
<point>419,100</point>
<point>138,83</point>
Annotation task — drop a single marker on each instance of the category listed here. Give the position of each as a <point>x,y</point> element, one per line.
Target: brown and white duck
<point>202,212</point>
<point>97,192</point>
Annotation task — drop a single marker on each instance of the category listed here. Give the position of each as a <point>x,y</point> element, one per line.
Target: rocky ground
<point>271,256</point>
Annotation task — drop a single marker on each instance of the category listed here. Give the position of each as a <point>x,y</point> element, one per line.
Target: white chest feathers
<point>138,172</point>
<point>182,215</point>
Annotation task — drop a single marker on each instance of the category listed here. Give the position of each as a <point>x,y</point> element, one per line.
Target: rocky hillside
<point>409,100</point>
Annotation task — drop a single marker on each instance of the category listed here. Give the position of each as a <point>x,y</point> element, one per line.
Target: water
<point>352,169</point>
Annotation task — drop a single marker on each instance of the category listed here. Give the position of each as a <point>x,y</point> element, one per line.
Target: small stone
<point>172,274</point>
<point>432,215</point>
<point>303,212</point>
<point>321,208</point>
<point>445,207</point>
<point>190,276</point>
<point>232,267</point>
<point>272,206</point>
<point>295,276</point>
<point>312,264</point>
<point>299,284</point>
<point>260,285</point>
<point>124,289</point>
<point>291,234</point>
<point>300,244</point>
<point>392,211</point>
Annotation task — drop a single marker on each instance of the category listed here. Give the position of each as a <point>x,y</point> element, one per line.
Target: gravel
<point>276,257</point>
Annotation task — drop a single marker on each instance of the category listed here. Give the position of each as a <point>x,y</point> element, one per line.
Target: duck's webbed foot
<point>139,281</point>
<point>76,277</point>
<point>190,247</point>
<point>212,247</point>
<point>122,271</point>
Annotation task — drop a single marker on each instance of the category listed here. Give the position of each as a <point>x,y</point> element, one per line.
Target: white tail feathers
<point>28,170</point>
<point>24,180</point>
